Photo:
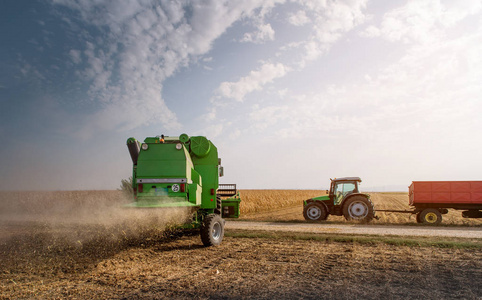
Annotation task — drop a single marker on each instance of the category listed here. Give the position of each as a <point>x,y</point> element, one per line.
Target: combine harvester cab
<point>183,172</point>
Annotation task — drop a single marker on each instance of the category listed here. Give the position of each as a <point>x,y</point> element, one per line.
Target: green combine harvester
<point>184,171</point>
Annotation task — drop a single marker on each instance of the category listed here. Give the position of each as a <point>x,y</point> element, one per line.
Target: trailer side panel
<point>446,192</point>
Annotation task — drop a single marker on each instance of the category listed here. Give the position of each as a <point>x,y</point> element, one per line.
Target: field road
<point>462,232</point>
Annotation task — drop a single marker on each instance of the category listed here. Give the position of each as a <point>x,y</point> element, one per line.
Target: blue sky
<point>291,92</point>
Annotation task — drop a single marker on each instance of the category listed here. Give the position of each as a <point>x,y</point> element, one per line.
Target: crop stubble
<point>65,258</point>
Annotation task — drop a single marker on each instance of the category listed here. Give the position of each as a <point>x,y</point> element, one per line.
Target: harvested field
<point>81,245</point>
<point>255,201</point>
<point>242,268</point>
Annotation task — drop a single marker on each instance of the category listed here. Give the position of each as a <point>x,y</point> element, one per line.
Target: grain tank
<point>183,171</point>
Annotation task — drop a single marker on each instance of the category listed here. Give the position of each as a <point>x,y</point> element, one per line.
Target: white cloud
<point>210,19</point>
<point>458,10</point>
<point>30,72</point>
<point>422,21</point>
<point>211,131</point>
<point>282,93</point>
<point>264,117</point>
<point>263,34</point>
<point>144,44</point>
<point>299,19</point>
<point>253,82</point>
<point>371,31</point>
<point>331,21</point>
<point>427,97</point>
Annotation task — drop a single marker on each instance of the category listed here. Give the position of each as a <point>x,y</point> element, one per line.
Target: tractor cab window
<point>342,189</point>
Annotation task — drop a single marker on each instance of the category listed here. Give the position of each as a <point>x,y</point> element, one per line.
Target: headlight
<point>175,188</point>
<point>178,146</point>
<point>144,146</point>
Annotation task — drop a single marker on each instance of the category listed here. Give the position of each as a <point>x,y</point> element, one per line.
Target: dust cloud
<point>81,221</point>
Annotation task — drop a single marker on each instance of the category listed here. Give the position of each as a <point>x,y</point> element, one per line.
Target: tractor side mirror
<point>221,171</point>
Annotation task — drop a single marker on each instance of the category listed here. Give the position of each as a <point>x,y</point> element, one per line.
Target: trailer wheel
<point>358,208</point>
<point>419,220</point>
<point>430,216</point>
<point>212,230</point>
<point>315,212</point>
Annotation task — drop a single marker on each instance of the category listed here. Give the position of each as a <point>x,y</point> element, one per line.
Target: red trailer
<point>432,199</point>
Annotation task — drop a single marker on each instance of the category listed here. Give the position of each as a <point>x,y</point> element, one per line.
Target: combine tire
<point>358,208</point>
<point>315,212</point>
<point>212,230</point>
<point>430,216</point>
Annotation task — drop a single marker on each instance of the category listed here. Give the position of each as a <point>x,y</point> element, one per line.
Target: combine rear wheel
<point>315,212</point>
<point>430,216</point>
<point>358,208</point>
<point>212,230</point>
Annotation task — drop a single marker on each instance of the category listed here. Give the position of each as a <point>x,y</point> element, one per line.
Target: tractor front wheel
<point>358,208</point>
<point>315,212</point>
<point>430,216</point>
<point>212,230</point>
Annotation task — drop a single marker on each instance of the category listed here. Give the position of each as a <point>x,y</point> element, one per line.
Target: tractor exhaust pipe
<point>134,148</point>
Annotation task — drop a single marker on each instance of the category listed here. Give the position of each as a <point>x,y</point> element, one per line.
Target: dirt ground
<point>38,264</point>
<point>240,268</point>
<point>102,254</point>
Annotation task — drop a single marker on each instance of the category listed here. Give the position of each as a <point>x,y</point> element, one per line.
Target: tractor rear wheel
<point>315,212</point>
<point>430,216</point>
<point>358,208</point>
<point>212,230</point>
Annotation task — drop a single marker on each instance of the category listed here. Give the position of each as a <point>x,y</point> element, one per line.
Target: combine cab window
<point>343,189</point>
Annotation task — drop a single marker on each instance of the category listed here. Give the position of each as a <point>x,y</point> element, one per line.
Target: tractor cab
<point>342,187</point>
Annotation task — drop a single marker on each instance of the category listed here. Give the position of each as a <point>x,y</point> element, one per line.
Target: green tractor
<point>184,171</point>
<point>343,199</point>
